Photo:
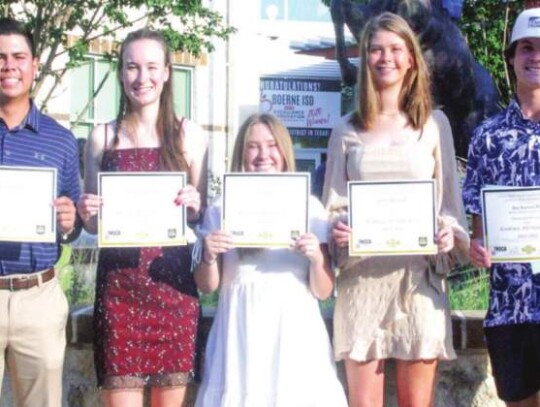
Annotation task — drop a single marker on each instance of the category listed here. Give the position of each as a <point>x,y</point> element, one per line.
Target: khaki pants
<point>33,341</point>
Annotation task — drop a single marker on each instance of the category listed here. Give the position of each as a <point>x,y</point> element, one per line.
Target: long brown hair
<point>415,96</point>
<point>168,126</point>
<point>278,130</point>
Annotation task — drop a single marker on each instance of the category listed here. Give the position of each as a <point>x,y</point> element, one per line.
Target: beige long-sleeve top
<point>381,310</point>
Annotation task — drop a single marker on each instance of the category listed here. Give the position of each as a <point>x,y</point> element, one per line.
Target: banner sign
<point>308,107</point>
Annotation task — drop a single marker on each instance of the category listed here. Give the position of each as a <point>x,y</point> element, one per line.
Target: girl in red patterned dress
<point>146,308</point>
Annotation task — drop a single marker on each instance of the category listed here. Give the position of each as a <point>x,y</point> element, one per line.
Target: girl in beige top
<point>393,306</point>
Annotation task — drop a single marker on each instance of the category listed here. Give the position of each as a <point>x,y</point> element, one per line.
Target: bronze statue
<point>461,87</point>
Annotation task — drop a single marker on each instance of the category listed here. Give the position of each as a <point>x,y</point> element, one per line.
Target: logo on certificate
<point>422,241</point>
<point>40,229</point>
<point>171,233</point>
<point>528,249</point>
<point>393,242</point>
<point>265,235</point>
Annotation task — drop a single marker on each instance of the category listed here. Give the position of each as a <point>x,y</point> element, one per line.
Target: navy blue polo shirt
<point>39,141</point>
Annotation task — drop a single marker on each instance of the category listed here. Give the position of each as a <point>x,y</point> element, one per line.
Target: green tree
<point>486,25</point>
<point>187,24</point>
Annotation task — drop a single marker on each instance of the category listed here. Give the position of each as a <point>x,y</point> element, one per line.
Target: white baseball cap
<point>527,25</point>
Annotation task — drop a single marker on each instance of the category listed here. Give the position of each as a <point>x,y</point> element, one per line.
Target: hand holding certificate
<point>139,209</point>
<point>392,218</point>
<point>264,210</point>
<point>28,214</point>
<point>511,219</point>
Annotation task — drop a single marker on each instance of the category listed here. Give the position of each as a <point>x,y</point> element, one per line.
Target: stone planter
<point>464,382</point>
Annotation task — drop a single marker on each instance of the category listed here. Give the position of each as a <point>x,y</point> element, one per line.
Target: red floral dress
<point>146,307</point>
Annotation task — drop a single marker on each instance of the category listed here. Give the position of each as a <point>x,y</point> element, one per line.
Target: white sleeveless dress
<point>268,345</point>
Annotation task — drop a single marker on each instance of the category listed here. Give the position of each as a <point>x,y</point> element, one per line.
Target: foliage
<point>469,289</point>
<point>209,300</point>
<point>77,283</point>
<point>486,25</point>
<point>214,185</point>
<point>187,24</point>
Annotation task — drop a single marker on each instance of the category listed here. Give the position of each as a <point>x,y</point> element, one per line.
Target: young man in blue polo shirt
<point>505,150</point>
<point>33,308</point>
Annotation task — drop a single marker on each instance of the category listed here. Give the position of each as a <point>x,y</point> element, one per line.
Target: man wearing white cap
<point>505,150</point>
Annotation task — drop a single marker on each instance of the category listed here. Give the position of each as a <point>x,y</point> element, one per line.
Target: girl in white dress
<point>268,346</point>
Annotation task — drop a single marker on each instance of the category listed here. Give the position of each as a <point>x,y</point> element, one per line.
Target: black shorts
<point>514,351</point>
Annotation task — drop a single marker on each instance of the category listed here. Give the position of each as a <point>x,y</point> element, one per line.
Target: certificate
<point>392,218</point>
<point>27,213</point>
<point>265,210</point>
<point>139,209</point>
<point>511,219</point>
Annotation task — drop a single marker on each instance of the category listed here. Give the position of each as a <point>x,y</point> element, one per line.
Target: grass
<point>209,300</point>
<point>469,289</point>
<point>77,274</point>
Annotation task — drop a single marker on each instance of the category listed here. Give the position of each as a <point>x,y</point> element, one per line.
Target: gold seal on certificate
<point>511,219</point>
<point>139,209</point>
<point>265,210</point>
<point>392,218</point>
<point>28,214</point>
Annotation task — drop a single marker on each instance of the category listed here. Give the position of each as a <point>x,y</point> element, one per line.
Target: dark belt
<point>24,282</point>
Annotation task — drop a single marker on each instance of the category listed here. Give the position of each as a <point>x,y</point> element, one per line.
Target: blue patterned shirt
<point>38,142</point>
<point>504,150</point>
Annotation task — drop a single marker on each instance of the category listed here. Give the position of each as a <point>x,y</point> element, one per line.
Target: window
<point>85,80</point>
<point>182,90</point>
<point>294,10</point>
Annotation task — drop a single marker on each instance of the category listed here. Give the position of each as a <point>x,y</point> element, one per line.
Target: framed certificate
<point>265,210</point>
<point>139,210</point>
<point>392,218</point>
<point>28,214</point>
<point>511,219</point>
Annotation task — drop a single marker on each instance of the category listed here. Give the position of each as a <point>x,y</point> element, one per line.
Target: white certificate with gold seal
<point>265,210</point>
<point>392,218</point>
<point>26,206</point>
<point>139,209</point>
<point>511,220</point>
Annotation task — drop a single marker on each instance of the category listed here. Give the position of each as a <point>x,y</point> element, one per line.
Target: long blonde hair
<point>278,130</point>
<point>415,95</point>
